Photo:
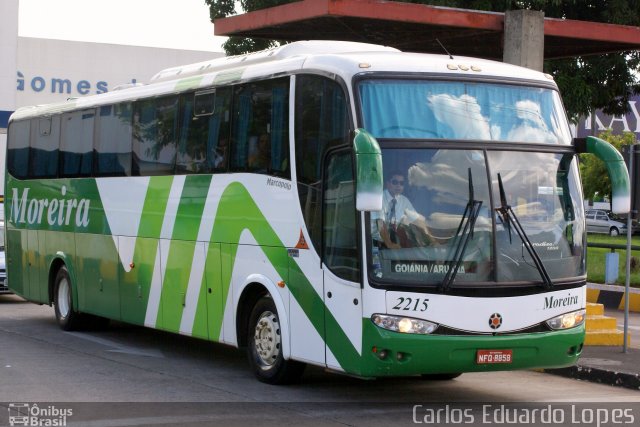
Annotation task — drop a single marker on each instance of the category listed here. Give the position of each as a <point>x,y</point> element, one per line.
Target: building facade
<point>41,71</point>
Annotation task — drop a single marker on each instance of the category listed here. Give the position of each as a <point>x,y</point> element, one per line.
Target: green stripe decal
<point>146,246</point>
<point>183,244</point>
<point>154,207</point>
<point>188,83</point>
<point>235,200</point>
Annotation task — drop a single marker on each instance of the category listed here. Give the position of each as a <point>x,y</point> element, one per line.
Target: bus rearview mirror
<point>369,182</point>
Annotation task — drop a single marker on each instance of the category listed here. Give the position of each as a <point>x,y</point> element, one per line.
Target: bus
<point>345,205</point>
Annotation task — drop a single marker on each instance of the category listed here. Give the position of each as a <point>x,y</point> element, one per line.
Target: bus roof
<point>344,59</point>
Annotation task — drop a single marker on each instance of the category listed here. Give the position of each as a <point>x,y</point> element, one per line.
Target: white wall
<point>41,71</point>
<point>8,47</point>
<point>54,70</point>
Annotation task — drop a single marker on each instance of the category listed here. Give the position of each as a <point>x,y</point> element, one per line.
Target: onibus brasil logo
<point>26,414</point>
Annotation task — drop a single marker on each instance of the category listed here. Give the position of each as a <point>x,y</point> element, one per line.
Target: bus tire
<point>66,315</point>
<point>440,377</point>
<point>264,347</point>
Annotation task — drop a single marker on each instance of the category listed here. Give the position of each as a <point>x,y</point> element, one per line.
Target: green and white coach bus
<point>345,205</point>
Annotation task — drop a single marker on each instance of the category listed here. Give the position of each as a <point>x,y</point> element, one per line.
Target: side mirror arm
<point>616,168</point>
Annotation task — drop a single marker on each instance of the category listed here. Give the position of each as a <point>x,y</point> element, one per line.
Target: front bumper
<point>410,354</point>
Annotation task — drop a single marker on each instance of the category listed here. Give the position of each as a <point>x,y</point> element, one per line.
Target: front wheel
<point>68,319</point>
<point>265,346</point>
<point>614,231</point>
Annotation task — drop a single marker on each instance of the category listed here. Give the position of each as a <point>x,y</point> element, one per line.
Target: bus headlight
<point>406,325</point>
<point>568,320</point>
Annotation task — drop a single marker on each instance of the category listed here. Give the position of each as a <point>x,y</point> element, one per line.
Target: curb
<point>612,296</point>
<point>597,375</point>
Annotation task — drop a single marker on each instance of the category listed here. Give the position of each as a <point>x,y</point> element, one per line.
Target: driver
<point>395,205</point>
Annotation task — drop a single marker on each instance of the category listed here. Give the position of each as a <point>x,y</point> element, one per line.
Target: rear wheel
<point>265,346</point>
<point>68,319</point>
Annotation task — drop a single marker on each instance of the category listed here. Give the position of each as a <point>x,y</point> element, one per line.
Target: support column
<point>524,38</point>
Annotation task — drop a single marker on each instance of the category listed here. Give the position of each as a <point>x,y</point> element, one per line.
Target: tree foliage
<point>587,83</point>
<point>595,179</point>
<point>242,45</point>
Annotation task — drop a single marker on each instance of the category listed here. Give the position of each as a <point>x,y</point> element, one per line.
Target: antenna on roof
<point>445,49</point>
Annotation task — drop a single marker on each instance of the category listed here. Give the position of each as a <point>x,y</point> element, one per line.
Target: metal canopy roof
<point>415,28</point>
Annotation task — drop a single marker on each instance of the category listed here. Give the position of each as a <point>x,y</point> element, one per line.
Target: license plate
<point>484,357</point>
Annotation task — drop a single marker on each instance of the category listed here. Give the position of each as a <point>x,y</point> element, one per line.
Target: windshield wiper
<point>508,216</point>
<point>470,214</point>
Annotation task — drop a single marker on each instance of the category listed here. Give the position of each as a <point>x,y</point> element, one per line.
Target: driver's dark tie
<point>392,220</point>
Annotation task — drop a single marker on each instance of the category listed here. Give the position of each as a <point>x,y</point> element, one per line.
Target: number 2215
<point>412,304</point>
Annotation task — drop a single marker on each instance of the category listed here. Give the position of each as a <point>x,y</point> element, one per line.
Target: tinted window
<point>322,122</point>
<point>260,138</point>
<point>43,158</point>
<point>204,103</point>
<point>154,136</point>
<point>76,144</point>
<point>18,149</point>
<point>203,138</point>
<point>113,140</point>
<point>423,109</point>
<point>340,230</point>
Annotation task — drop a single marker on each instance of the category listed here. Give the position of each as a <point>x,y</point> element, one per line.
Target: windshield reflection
<point>425,109</point>
<point>438,211</point>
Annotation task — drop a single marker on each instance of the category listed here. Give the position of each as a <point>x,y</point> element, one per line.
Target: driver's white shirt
<point>402,204</point>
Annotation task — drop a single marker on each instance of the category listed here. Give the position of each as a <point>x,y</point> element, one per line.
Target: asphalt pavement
<point>610,365</point>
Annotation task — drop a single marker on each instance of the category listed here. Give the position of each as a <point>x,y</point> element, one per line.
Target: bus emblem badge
<point>495,320</point>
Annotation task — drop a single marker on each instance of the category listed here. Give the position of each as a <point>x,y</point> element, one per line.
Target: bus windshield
<point>442,210</point>
<point>423,109</point>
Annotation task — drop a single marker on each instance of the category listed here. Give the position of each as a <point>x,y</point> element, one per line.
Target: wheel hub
<point>267,339</point>
<point>63,298</point>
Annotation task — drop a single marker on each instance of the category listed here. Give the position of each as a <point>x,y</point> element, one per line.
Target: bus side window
<point>260,136</point>
<point>322,122</point>
<point>112,155</point>
<point>219,129</point>
<point>204,132</point>
<point>18,149</point>
<point>44,147</point>
<point>76,143</point>
<point>154,136</point>
<point>192,134</point>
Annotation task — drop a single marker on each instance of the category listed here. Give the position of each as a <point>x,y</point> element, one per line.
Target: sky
<point>175,24</point>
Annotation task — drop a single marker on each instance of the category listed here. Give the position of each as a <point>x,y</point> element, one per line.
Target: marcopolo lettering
<point>553,302</point>
<point>277,183</point>
<point>54,211</point>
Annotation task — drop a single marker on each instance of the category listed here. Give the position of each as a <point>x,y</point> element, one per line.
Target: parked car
<point>601,221</point>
